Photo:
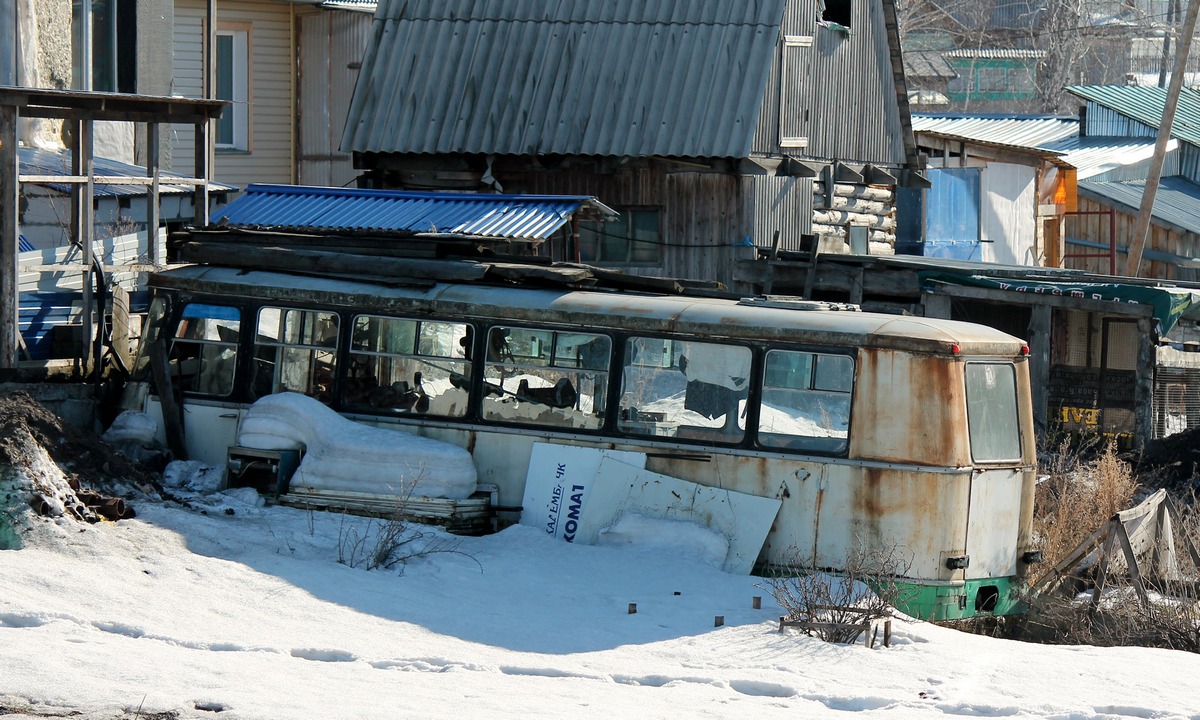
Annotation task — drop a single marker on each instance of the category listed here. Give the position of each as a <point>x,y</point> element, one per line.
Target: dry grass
<point>1081,489</point>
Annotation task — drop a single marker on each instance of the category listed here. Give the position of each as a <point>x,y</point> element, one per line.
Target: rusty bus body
<point>874,430</point>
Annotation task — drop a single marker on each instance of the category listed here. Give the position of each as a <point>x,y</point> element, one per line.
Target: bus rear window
<point>992,412</point>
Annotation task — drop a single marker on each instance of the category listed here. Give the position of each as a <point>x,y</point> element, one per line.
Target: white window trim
<point>785,85</point>
<point>241,88</point>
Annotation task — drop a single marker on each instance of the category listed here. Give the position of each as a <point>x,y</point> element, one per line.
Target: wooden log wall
<point>872,206</point>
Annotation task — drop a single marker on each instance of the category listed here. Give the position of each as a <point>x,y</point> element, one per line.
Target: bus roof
<point>634,312</point>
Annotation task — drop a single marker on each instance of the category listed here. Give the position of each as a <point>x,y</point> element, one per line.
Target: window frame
<point>415,355</point>
<point>808,444</point>
<point>240,94</point>
<point>176,341</point>
<point>281,345</point>
<point>508,362</point>
<point>990,428</point>
<point>601,230</point>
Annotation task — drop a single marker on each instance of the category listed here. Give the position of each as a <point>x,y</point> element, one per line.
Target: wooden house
<point>712,127</point>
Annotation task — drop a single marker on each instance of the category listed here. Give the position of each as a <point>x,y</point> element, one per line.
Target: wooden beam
<point>9,237</point>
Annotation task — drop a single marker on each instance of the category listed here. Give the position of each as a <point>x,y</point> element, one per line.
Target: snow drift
<point>345,456</point>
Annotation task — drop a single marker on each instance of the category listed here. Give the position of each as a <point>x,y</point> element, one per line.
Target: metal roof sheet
<point>1031,131</point>
<point>995,53</point>
<point>573,77</point>
<point>36,161</point>
<point>1146,104</point>
<point>296,207</point>
<point>1095,156</point>
<point>1177,201</point>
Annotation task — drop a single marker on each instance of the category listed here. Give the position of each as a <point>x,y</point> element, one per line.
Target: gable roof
<point>404,213</point>
<point>573,77</point>
<point>1146,105</point>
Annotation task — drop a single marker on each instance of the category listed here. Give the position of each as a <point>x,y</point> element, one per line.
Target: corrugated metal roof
<point>35,161</point>
<point>1093,156</point>
<point>296,207</point>
<point>573,77</point>
<point>995,53</point>
<point>367,6</point>
<point>1177,201</point>
<point>1146,104</point>
<point>1031,132</point>
<point>24,245</point>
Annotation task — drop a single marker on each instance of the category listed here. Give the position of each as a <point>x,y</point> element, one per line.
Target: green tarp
<point>1169,303</point>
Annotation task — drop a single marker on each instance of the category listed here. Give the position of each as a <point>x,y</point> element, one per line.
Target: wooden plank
<point>171,410</point>
<point>9,235</point>
<point>242,255</point>
<point>1131,560</point>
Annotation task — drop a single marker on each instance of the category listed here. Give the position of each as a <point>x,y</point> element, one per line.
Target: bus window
<point>685,389</point>
<point>295,350</point>
<point>806,401</point>
<point>203,355</point>
<point>992,412</point>
<point>406,366</point>
<point>546,377</point>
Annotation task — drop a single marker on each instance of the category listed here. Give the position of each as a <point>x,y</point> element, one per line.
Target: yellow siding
<point>271,111</point>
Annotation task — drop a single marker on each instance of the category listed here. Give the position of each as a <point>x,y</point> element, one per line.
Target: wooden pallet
<point>469,516</point>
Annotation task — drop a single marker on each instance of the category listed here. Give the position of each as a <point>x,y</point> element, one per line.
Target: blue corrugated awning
<point>296,208</point>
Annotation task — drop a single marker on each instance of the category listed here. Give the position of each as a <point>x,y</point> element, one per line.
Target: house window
<point>793,96</point>
<point>114,64</point>
<point>232,83</point>
<point>836,11</point>
<point>633,239</point>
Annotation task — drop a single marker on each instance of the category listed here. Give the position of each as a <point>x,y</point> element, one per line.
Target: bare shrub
<point>835,606</point>
<point>382,543</point>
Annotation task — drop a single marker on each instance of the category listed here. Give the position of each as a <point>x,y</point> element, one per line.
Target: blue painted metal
<point>24,245</point>
<point>952,213</point>
<point>294,207</point>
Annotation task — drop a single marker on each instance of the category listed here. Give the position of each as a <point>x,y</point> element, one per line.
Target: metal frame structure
<point>82,110</point>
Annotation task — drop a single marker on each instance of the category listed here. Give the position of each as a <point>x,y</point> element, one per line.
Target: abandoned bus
<point>881,429</point>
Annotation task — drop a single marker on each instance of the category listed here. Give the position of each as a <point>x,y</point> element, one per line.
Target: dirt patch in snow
<point>52,468</point>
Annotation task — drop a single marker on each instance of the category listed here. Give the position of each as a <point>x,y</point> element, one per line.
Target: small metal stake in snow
<point>756,602</point>
<point>632,608</point>
<point>718,621</point>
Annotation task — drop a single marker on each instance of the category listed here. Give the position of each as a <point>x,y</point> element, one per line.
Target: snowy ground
<point>178,614</point>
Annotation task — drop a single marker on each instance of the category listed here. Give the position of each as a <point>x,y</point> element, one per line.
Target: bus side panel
<point>208,428</point>
<point>993,535</point>
<point>909,408</point>
<point>912,515</point>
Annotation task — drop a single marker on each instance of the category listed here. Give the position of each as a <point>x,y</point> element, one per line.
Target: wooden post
<point>153,207</point>
<point>172,413</point>
<point>1039,338</point>
<point>10,196</point>
<point>1143,392</point>
<point>1137,242</point>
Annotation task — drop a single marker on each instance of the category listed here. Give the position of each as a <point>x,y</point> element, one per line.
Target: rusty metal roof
<point>1146,104</point>
<point>573,77</point>
<point>321,209</point>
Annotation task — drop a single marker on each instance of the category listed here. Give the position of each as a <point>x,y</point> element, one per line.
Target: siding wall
<point>271,107</point>
<point>1095,228</point>
<point>703,215</point>
<point>332,45</point>
<point>848,95</point>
